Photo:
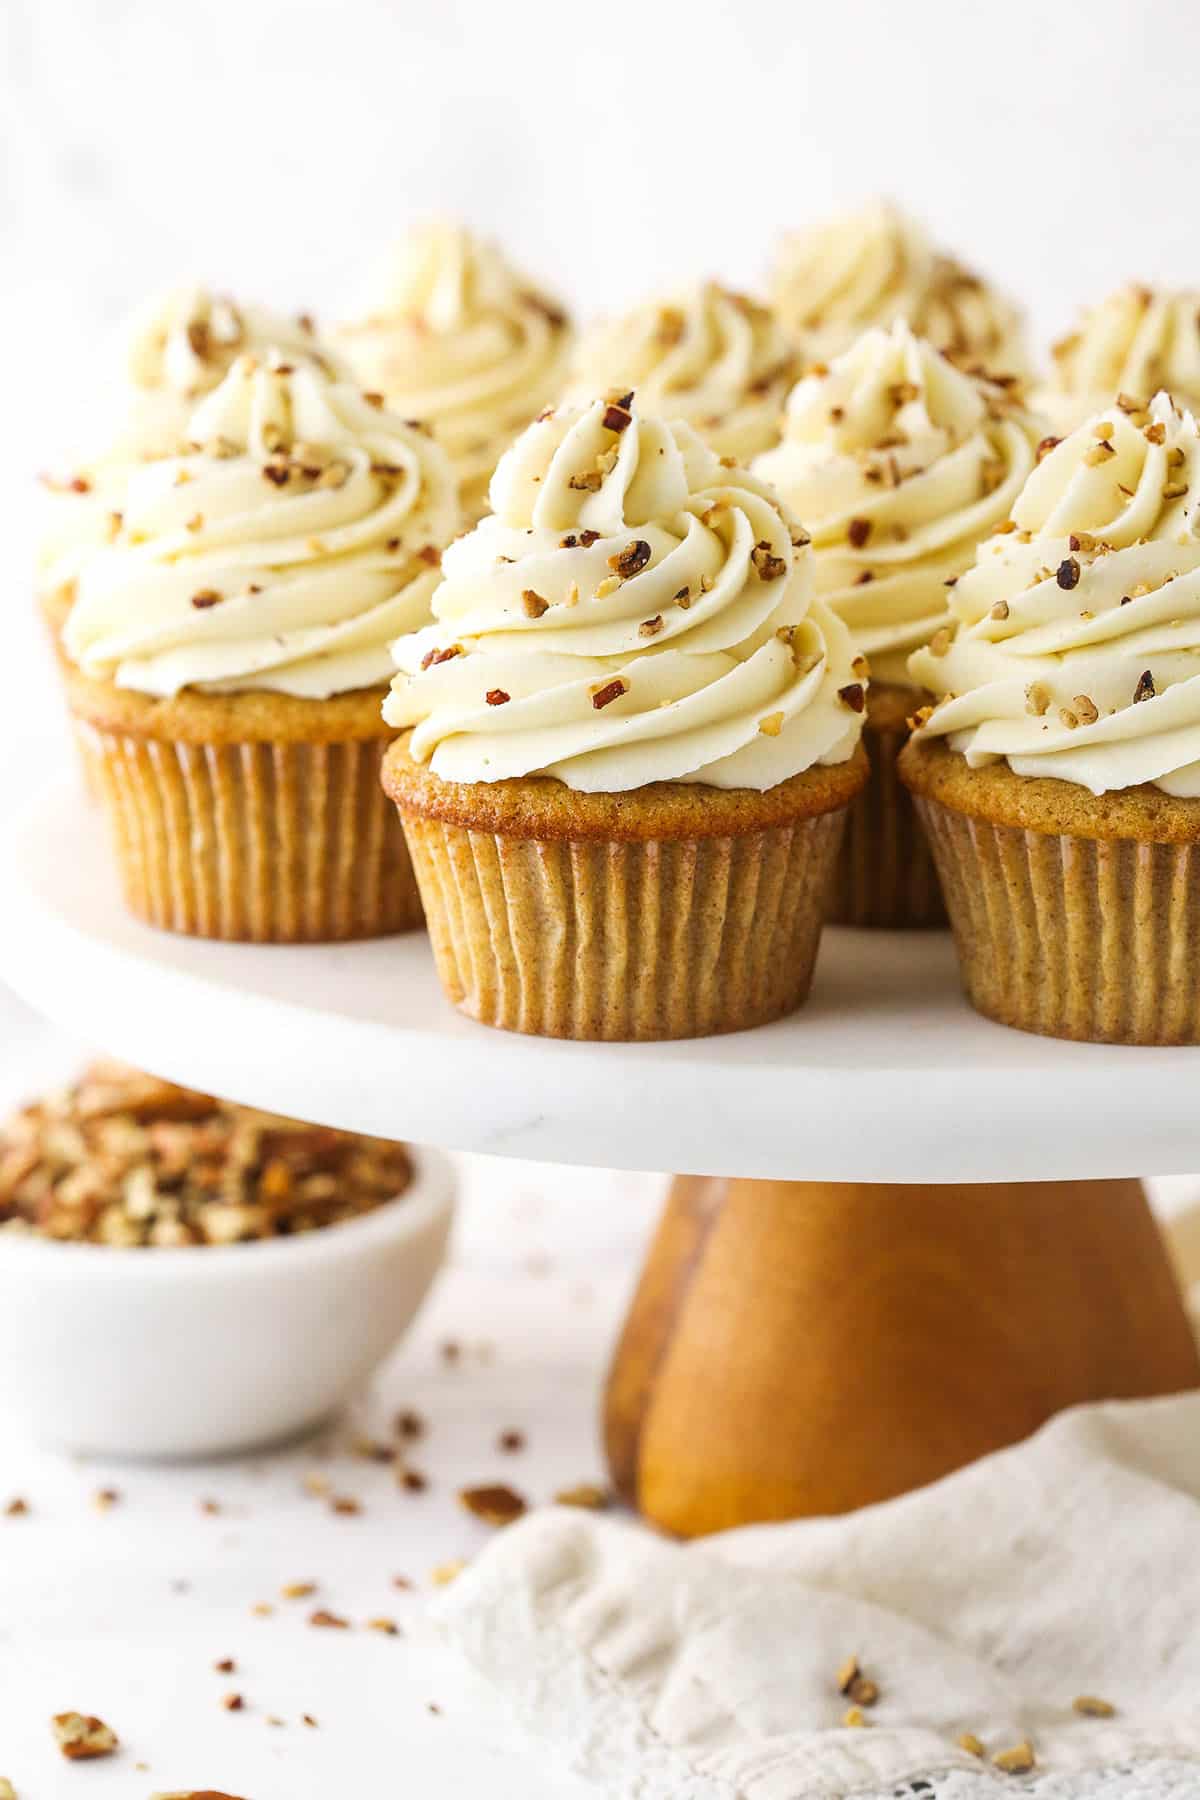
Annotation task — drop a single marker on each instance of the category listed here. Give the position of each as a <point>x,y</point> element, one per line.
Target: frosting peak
<point>1077,646</point>
<point>297,533</point>
<point>708,355</point>
<point>876,265</point>
<point>455,336</point>
<point>1136,341</point>
<point>636,610</point>
<point>899,463</point>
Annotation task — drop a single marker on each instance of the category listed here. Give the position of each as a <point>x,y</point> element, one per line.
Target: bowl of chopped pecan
<point>181,1276</point>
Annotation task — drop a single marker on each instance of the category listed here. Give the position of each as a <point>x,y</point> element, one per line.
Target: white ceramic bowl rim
<point>427,1197</point>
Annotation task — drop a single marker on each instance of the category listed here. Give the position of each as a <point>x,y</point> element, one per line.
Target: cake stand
<point>903,1236</point>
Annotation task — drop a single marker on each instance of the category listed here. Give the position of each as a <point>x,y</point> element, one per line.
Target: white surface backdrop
<point>276,148</point>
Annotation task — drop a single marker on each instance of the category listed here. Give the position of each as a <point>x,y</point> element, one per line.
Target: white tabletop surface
<point>94,1615</point>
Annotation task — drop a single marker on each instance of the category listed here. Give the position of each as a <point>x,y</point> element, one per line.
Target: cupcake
<point>708,355</point>
<point>453,335</point>
<point>876,265</point>
<point>899,464</point>
<point>1138,340</point>
<point>226,655</point>
<point>180,345</point>
<point>1059,775</point>
<point>634,737</point>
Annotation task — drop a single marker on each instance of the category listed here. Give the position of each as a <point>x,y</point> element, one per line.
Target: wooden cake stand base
<point>809,1347</point>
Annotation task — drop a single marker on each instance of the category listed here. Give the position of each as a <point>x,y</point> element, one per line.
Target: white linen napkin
<point>1064,1567</point>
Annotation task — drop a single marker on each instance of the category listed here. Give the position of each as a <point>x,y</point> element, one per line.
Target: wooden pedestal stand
<point>808,1347</point>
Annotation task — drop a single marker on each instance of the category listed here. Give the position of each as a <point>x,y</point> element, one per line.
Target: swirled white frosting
<point>708,355</point>
<point>179,345</point>
<point>454,336</point>
<point>633,612</point>
<point>1077,653</point>
<point>876,265</point>
<point>283,551</point>
<point>899,464</point>
<point>1133,343</point>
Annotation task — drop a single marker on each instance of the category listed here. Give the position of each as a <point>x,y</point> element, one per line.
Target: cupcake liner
<point>885,876</point>
<point>1074,937</point>
<point>285,842</point>
<point>625,940</point>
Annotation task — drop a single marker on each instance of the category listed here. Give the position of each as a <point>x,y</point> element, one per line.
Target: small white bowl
<point>217,1348</point>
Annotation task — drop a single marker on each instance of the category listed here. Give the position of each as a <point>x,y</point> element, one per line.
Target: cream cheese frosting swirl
<point>1077,652</point>
<point>1135,342</point>
<point>179,345</point>
<point>284,550</point>
<point>899,464</point>
<point>708,355</point>
<point>455,336</point>
<point>635,611</point>
<point>876,265</point>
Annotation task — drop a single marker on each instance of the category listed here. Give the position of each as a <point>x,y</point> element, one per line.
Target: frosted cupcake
<point>1059,777</point>
<point>455,336</point>
<point>634,737</point>
<point>1137,341</point>
<point>179,346</point>
<point>875,266</point>
<point>708,355</point>
<point>899,464</point>
<point>226,656</point>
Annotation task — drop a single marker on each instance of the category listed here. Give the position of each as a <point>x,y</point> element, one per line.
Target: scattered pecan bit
<point>941,641</point>
<point>329,1621</point>
<point>631,559</point>
<point>1155,433</point>
<point>510,1442</point>
<point>617,416</point>
<point>1037,699</point>
<point>1067,573</point>
<point>853,695</point>
<point>432,658</point>
<point>1145,689</point>
<point>554,315</point>
<point>971,1744</point>
<point>1017,1761</point>
<point>860,667</point>
<point>1175,490</point>
<point>585,1494</point>
<point>262,1609</point>
<point>104,1499</point>
<point>651,627</point>
<point>999,612</point>
<point>413,1482</point>
<point>533,605</point>
<point>609,585</point>
<point>495,1504</point>
<point>234,1703</point>
<point>17,1508</point>
<point>801,538</point>
<point>373,399</point>
<point>588,538</point>
<point>410,1425</point>
<point>920,718</point>
<point>205,598</point>
<point>1081,540</point>
<point>430,555</point>
<point>388,1627</point>
<point>451,1350</point>
<point>278,473</point>
<point>1002,529</point>
<point>847,1674</point>
<point>210,1508</point>
<point>854,1717</point>
<point>1046,445</point>
<point>1092,1707</point>
<point>442,1574</point>
<point>345,1505</point>
<point>683,599</point>
<point>858,531</point>
<point>1086,709</point>
<point>316,1483</point>
<point>1067,718</point>
<point>612,690</point>
<point>298,1590</point>
<point>771,725</point>
<point>82,1737</point>
<point>767,565</point>
<point>497,697</point>
<point>307,1719</point>
<point>225,1666</point>
<point>369,1449</point>
<point>1098,454</point>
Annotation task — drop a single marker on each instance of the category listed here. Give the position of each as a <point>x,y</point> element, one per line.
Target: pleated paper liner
<point>671,912</point>
<point>1091,933</point>
<point>241,834</point>
<point>885,874</point>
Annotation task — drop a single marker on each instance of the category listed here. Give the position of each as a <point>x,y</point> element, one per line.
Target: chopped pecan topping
<point>768,566</point>
<point>1145,688</point>
<point>205,598</point>
<point>533,605</point>
<point>82,1737</point>
<point>494,1504</point>
<point>853,696</point>
<point>1046,445</point>
<point>432,657</point>
<point>585,1494</point>
<point>589,481</point>
<point>651,627</point>
<point>612,690</point>
<point>617,417</point>
<point>1067,573</point>
<point>631,559</point>
<point>497,697</point>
